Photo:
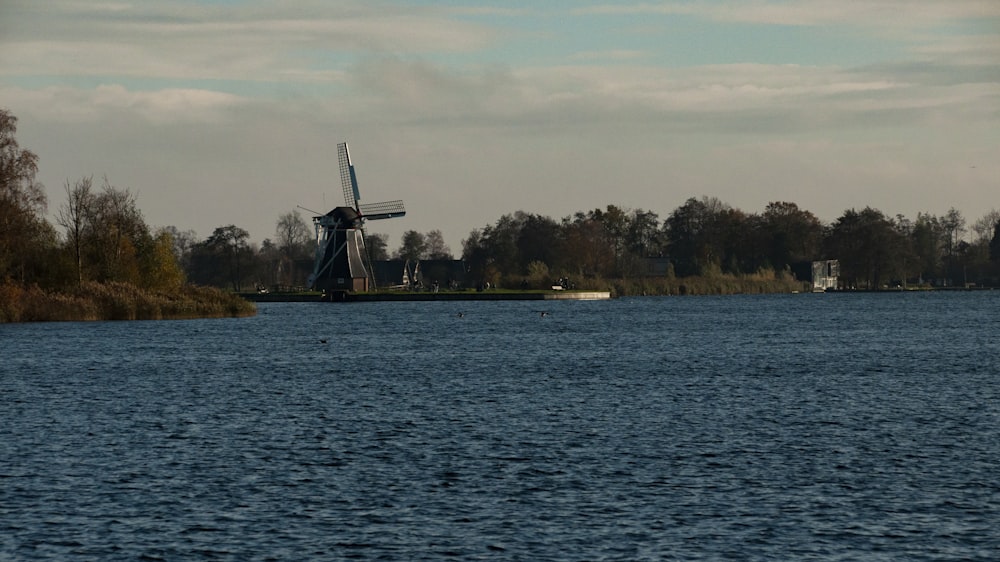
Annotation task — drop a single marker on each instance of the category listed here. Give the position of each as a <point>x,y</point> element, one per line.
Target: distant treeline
<point>708,238</point>
<point>629,249</point>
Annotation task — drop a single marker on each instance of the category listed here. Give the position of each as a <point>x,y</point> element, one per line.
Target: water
<point>833,427</point>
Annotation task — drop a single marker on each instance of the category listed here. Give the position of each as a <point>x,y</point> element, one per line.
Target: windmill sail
<point>383,210</point>
<point>348,179</point>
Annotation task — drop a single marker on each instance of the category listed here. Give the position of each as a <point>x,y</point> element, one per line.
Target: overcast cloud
<point>229,112</point>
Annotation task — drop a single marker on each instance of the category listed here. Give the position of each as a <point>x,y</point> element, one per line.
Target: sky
<point>218,112</point>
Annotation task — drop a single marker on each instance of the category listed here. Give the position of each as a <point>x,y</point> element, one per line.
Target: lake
<point>822,427</point>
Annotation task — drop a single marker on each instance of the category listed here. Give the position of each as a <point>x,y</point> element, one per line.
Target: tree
<point>870,248</point>
<point>696,239</point>
<point>293,240</point>
<point>24,233</point>
<point>436,248</point>
<point>585,248</point>
<point>615,222</point>
<point>642,237</point>
<point>292,235</point>
<point>791,234</point>
<point>378,246</point>
<point>74,216</point>
<point>985,226</point>
<point>954,226</point>
<point>183,242</point>
<point>413,247</point>
<point>160,269</point>
<point>477,257</point>
<point>538,240</point>
<point>227,244</point>
<point>995,243</point>
<point>117,234</point>
<point>926,242</point>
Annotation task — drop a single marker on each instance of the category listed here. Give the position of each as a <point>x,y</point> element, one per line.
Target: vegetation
<point>116,301</point>
<point>109,264</point>
<point>707,247</point>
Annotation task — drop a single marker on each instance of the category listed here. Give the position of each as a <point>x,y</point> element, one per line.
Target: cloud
<point>239,109</point>
<point>715,99</point>
<point>189,40</point>
<point>173,105</point>
<point>868,13</point>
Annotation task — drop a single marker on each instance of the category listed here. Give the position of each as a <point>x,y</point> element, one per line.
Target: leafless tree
<point>73,216</point>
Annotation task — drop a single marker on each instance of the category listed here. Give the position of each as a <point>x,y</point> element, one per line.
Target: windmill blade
<point>383,210</point>
<point>347,178</point>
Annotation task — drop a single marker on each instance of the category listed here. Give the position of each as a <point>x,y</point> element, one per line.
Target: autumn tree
<point>24,234</point>
<point>159,266</point>
<point>109,240</point>
<point>183,242</point>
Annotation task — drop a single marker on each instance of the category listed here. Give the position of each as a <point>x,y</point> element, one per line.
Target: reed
<point>117,301</point>
<point>762,282</point>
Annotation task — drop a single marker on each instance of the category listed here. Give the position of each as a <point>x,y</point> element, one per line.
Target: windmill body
<point>342,263</point>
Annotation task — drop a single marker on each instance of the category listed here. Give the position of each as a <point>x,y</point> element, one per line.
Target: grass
<point>117,301</point>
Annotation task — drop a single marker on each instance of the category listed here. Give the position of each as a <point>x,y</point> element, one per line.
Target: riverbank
<point>403,296</point>
<point>117,301</point>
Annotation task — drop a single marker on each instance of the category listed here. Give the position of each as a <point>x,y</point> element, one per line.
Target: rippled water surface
<point>839,427</point>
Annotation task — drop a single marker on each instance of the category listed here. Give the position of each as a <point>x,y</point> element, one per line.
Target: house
<point>446,274</point>
<point>825,275</point>
<point>391,274</point>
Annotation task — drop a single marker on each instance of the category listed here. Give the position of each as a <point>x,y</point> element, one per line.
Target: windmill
<point>342,263</point>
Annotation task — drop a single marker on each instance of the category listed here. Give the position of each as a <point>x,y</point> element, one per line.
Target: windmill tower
<point>342,263</point>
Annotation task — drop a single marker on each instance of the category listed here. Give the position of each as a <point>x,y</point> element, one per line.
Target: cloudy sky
<point>222,112</point>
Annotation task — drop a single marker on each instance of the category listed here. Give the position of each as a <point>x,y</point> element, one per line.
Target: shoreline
<point>428,296</point>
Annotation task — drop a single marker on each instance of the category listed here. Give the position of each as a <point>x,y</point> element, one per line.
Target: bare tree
<point>292,234</point>
<point>984,227</point>
<point>954,226</point>
<point>118,233</point>
<point>183,242</point>
<point>73,216</point>
<point>436,249</point>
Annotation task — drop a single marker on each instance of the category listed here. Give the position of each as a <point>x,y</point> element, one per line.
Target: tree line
<point>105,238</point>
<point>706,237</point>
<point>107,264</point>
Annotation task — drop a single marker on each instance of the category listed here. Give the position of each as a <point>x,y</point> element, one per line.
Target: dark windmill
<point>342,262</point>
